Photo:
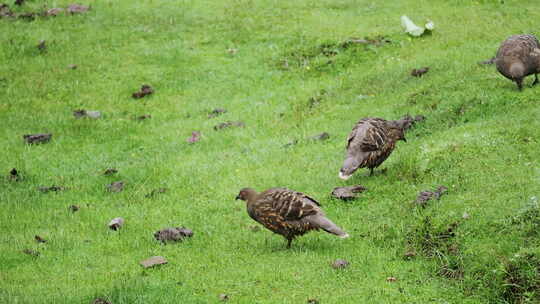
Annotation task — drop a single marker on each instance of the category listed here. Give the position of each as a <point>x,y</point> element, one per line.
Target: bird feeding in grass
<point>518,57</point>
<point>370,143</point>
<point>287,212</point>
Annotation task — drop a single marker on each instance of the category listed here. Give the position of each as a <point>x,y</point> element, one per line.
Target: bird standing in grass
<point>287,212</point>
<point>517,57</point>
<point>370,143</point>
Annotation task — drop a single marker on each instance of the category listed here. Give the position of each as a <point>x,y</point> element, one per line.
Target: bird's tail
<point>327,225</point>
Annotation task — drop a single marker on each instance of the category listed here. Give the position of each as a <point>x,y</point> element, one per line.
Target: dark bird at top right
<point>518,57</point>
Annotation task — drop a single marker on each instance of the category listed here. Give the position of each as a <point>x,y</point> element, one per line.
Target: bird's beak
<point>237,197</point>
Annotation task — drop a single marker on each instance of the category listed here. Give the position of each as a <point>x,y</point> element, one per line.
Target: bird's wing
<point>373,136</point>
<point>290,205</point>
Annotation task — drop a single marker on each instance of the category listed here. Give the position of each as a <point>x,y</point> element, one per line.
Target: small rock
<point>74,208</point>
<point>313,301</point>
<point>195,137</point>
<point>425,196</point>
<point>409,254</point>
<point>51,188</point>
<point>116,223</point>
<point>153,261</point>
<point>77,8</point>
<point>40,239</point>
<point>156,192</point>
<point>173,234</point>
<point>216,112</point>
<point>347,193</point>
<point>116,186</point>
<point>340,264</point>
<point>14,175</point>
<point>42,45</point>
<point>110,171</point>
<point>391,279</point>
<point>37,138</point>
<point>31,252</point>
<point>223,297</point>
<point>322,136</point>
<point>100,301</point>
<point>419,72</point>
<point>144,91</point>
<point>229,124</point>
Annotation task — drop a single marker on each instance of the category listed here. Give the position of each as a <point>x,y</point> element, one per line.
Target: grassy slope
<point>481,140</point>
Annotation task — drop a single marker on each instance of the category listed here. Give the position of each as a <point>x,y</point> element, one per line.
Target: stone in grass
<point>74,208</point>
<point>223,297</point>
<point>71,66</point>
<point>425,196</point>
<point>116,186</point>
<point>100,301</point>
<point>116,223</point>
<point>144,117</point>
<point>313,301</point>
<point>348,193</point>
<point>173,234</point>
<point>88,114</point>
<point>39,138</point>
<point>144,91</point>
<point>14,175</point>
<point>229,124</point>
<point>340,264</point>
<point>153,261</point>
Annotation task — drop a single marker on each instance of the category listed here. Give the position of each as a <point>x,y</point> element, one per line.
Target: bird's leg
<point>535,79</point>
<point>289,243</point>
<point>370,171</point>
<point>520,84</point>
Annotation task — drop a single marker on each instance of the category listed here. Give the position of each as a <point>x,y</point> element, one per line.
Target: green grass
<point>481,139</point>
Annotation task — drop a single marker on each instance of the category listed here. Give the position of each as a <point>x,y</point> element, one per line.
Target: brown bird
<point>517,57</point>
<point>370,143</point>
<point>287,212</point>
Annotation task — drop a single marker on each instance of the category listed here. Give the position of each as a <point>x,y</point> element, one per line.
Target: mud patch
<point>425,196</point>
<point>144,91</point>
<point>348,193</point>
<point>173,234</point>
<point>419,72</point>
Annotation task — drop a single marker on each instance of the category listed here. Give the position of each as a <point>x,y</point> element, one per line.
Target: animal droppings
<point>14,175</point>
<point>85,113</point>
<point>110,171</point>
<point>229,124</point>
<point>340,264</point>
<point>74,208</point>
<point>348,193</point>
<point>321,137</point>
<point>153,261</point>
<point>223,297</point>
<point>77,8</point>
<point>144,117</point>
<point>40,239</point>
<point>173,234</point>
<point>51,188</point>
<point>425,196</point>
<point>116,186</point>
<point>216,112</point>
<point>195,137</point>
<point>312,301</point>
<point>31,252</point>
<point>156,192</point>
<point>144,91</point>
<point>37,138</point>
<point>100,301</point>
<point>419,72</point>
<point>391,279</point>
<point>116,223</point>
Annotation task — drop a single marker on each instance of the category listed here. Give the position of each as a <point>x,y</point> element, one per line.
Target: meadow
<point>286,70</point>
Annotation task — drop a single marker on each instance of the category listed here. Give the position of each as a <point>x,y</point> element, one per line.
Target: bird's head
<point>245,194</point>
